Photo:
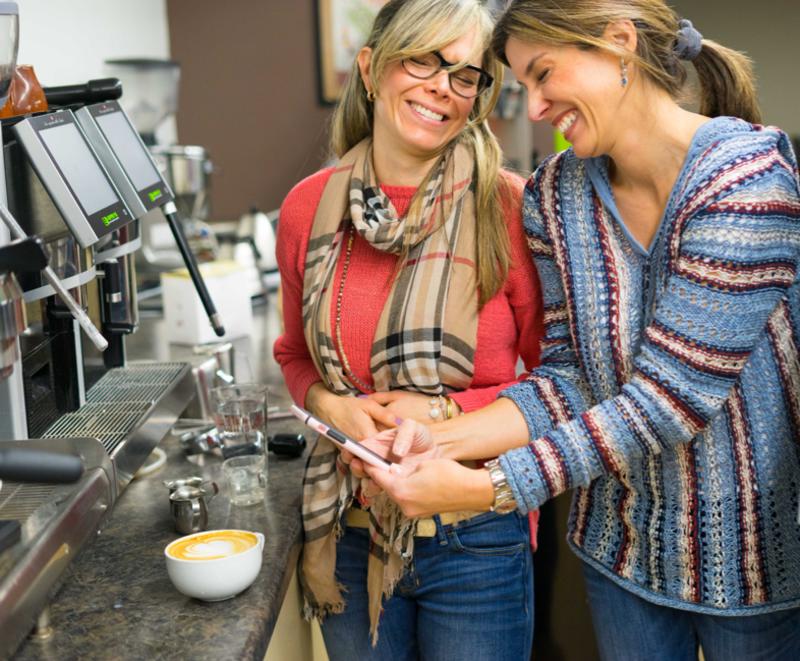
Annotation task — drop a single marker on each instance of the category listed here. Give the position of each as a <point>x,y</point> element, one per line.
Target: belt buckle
<point>426,528</point>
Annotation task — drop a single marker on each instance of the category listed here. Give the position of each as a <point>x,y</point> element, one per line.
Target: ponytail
<point>727,84</point>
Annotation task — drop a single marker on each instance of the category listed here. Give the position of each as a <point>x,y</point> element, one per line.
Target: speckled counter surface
<point>117,602</point>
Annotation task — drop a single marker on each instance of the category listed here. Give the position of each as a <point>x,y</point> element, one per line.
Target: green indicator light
<point>110,218</point>
<point>154,195</point>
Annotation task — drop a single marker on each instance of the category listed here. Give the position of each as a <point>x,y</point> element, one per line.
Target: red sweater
<point>509,325</point>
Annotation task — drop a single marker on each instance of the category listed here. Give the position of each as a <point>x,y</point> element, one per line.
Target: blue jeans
<point>629,627</point>
<point>468,594</point>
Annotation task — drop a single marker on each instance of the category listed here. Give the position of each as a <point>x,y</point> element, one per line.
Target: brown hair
<point>405,28</point>
<point>727,85</point>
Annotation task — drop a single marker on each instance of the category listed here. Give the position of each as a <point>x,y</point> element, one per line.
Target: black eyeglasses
<point>468,82</point>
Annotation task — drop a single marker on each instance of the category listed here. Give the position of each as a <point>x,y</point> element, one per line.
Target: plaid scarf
<point>424,342</point>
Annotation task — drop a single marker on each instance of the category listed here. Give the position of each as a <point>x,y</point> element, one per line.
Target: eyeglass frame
<point>444,65</point>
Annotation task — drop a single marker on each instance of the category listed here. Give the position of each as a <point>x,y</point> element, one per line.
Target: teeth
<point>427,113</point>
<point>565,124</point>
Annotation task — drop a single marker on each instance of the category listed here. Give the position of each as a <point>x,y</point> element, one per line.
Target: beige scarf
<point>424,342</point>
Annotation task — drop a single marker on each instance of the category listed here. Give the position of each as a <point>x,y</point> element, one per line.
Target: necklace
<point>338,325</point>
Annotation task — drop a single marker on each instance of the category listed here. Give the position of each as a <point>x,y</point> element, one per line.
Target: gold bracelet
<point>449,413</point>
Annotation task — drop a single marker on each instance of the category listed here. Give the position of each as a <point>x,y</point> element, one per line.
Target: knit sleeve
<point>294,228</point>
<point>523,292</point>
<point>729,268</point>
<point>555,391</point>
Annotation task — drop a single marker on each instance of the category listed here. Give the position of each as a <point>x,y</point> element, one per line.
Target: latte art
<point>212,545</point>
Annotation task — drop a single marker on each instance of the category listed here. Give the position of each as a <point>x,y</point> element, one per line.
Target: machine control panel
<point>73,175</point>
<point>125,156</point>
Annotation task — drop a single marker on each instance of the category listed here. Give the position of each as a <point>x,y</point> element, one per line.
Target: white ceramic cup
<point>210,577</point>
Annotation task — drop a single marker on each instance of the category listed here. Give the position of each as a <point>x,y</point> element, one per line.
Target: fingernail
<point>362,395</point>
<point>398,421</point>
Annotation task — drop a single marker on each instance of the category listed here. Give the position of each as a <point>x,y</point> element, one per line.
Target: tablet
<point>340,439</point>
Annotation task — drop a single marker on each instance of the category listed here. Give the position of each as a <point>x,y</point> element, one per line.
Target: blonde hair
<point>404,28</point>
<point>727,85</point>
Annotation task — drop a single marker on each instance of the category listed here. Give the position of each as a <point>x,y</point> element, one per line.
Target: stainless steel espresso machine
<point>74,183</point>
<point>59,188</point>
<point>54,492</point>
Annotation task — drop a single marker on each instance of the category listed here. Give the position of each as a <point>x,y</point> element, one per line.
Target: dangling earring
<point>370,96</point>
<point>623,69</point>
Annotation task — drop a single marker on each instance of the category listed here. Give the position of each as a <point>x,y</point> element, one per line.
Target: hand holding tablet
<point>340,439</point>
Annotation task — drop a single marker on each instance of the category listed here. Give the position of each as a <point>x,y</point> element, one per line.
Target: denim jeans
<point>468,594</point>
<point>629,627</point>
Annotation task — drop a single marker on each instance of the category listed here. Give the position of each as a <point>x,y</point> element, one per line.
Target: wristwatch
<point>504,501</point>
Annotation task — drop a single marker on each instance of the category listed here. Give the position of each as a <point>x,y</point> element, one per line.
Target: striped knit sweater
<point>669,390</point>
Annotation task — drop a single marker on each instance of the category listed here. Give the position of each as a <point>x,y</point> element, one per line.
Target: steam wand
<point>50,275</point>
<point>171,213</point>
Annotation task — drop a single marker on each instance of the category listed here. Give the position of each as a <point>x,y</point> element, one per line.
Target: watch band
<point>504,501</point>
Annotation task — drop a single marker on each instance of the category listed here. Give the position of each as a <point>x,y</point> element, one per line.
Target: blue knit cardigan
<point>669,390</point>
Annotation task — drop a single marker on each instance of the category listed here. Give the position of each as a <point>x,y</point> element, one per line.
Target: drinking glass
<point>246,478</point>
<point>240,413</point>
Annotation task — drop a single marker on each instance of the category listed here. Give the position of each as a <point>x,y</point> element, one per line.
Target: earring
<point>623,69</point>
<point>370,96</point>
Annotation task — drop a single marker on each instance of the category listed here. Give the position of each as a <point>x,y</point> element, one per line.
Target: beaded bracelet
<point>436,405</point>
<point>441,405</point>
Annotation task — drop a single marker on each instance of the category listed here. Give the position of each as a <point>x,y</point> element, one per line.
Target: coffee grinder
<point>151,99</point>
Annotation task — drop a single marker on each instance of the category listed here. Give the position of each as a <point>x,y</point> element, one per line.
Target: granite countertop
<point>116,600</point>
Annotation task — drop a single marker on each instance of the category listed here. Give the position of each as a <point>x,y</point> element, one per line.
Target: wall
<point>67,42</point>
<point>768,33</point>
<point>249,85</point>
<point>249,96</point>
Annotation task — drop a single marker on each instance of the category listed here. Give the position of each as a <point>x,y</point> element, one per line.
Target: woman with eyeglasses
<point>668,243</point>
<point>405,272</point>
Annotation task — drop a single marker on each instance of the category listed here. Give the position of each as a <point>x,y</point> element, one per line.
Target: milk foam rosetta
<point>213,545</point>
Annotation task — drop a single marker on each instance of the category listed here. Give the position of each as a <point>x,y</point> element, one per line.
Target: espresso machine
<point>75,182</point>
<point>82,178</point>
<point>54,492</point>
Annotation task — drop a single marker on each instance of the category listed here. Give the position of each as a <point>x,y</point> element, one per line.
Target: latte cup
<point>215,564</point>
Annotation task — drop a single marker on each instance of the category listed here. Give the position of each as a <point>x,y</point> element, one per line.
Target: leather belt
<point>357,518</point>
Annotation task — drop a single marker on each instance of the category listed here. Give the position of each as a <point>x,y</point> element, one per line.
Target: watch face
<point>506,507</point>
<point>504,501</point>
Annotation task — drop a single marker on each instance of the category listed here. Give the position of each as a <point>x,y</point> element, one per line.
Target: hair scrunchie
<point>689,42</point>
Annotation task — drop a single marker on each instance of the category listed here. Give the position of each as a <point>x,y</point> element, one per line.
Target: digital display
<point>110,218</point>
<point>79,167</point>
<point>129,150</point>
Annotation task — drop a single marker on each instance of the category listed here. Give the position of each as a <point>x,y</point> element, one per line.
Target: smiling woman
<point>415,117</point>
<point>668,242</point>
<point>408,294</point>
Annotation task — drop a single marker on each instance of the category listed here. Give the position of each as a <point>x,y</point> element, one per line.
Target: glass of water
<point>240,413</point>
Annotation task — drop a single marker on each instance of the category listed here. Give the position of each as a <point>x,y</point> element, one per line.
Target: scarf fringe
<point>321,611</point>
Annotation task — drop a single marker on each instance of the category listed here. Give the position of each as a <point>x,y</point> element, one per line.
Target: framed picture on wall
<point>342,28</point>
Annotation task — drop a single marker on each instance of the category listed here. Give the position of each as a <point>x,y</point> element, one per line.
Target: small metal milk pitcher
<point>189,509</point>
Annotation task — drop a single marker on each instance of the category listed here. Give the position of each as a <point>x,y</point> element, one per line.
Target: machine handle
<point>171,213</point>
<point>23,255</point>
<point>23,465</point>
<point>94,91</point>
<point>50,275</point>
